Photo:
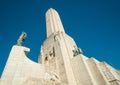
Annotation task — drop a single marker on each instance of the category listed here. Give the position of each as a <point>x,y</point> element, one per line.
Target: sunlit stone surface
<point>61,62</point>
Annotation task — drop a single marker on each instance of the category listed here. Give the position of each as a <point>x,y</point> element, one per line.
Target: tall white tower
<point>57,50</point>
<point>61,56</point>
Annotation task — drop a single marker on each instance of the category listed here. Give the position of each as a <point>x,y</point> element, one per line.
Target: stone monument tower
<point>60,62</point>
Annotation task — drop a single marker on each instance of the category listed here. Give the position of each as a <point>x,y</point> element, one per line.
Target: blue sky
<point>94,25</point>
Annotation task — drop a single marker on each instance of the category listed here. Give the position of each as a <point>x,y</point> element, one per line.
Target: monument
<point>61,62</point>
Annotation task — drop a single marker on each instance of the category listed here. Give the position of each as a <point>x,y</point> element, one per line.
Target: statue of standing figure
<point>77,51</point>
<point>21,38</point>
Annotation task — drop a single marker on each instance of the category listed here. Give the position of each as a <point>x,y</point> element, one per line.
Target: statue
<point>21,38</point>
<point>77,51</point>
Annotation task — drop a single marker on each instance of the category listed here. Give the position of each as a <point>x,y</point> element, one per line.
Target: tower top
<point>53,22</point>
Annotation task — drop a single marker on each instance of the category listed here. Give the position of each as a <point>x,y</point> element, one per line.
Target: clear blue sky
<point>94,25</point>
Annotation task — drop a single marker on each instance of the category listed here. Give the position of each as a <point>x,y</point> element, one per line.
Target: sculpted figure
<point>21,38</point>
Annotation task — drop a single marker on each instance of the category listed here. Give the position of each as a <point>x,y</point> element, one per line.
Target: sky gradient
<point>93,24</point>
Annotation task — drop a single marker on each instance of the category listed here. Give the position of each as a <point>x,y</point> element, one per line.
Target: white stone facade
<point>61,62</point>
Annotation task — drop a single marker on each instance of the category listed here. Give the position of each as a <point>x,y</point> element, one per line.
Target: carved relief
<point>107,73</point>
